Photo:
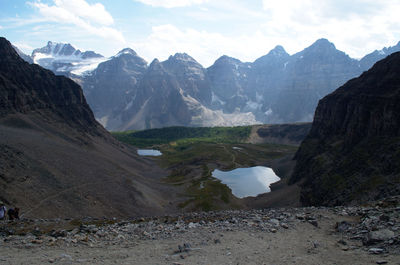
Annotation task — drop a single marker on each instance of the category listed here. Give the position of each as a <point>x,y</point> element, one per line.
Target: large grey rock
<point>374,237</point>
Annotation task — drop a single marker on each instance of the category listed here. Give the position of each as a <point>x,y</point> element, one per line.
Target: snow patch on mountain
<point>216,99</point>
<point>64,58</point>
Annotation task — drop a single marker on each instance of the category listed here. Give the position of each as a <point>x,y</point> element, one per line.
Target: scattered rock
<point>313,222</point>
<point>376,250</point>
<point>342,226</point>
<point>283,225</point>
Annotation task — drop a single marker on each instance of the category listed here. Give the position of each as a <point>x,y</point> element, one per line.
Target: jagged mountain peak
<point>156,65</point>
<point>321,46</point>
<point>323,43</point>
<point>276,55</point>
<point>182,58</point>
<point>278,51</point>
<point>322,49</point>
<point>59,49</point>
<point>227,59</point>
<point>126,51</point>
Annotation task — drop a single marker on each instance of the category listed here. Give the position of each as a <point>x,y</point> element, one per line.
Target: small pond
<point>246,182</point>
<point>148,152</point>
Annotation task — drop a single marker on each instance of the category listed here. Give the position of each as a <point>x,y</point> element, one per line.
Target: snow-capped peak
<point>64,58</point>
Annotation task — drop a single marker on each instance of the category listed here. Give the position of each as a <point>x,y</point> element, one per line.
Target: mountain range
<point>125,92</point>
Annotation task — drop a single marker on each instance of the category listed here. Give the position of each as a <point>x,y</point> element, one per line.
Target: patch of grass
<point>184,135</point>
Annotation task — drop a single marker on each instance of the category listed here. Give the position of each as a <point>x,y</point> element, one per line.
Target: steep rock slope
<point>352,152</point>
<point>308,76</point>
<point>24,56</point>
<point>56,160</point>
<point>173,92</point>
<point>228,78</point>
<point>190,75</point>
<point>109,87</point>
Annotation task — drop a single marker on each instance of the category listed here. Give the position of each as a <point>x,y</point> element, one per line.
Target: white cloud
<point>95,13</point>
<point>204,46</point>
<point>93,19</point>
<point>171,3</point>
<point>357,27</point>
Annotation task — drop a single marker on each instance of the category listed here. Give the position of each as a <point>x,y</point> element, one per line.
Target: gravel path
<point>340,235</point>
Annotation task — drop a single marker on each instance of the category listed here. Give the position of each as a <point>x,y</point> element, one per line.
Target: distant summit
<point>62,49</point>
<point>278,51</point>
<point>126,51</point>
<point>64,59</point>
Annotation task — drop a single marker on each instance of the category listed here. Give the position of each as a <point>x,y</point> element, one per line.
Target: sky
<point>205,29</point>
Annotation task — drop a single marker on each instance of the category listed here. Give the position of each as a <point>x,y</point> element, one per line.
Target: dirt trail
<point>300,236</point>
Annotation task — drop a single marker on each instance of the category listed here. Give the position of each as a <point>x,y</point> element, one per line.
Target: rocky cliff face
<point>191,76</point>
<point>157,101</point>
<point>107,88</point>
<point>228,78</point>
<point>308,76</point>
<point>352,151</point>
<point>27,88</point>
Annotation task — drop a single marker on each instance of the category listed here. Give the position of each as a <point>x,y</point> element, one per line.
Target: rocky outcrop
<point>352,151</point>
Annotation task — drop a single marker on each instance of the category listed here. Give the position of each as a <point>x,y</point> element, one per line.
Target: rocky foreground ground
<point>339,235</point>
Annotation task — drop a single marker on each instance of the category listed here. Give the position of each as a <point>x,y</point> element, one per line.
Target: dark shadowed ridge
<point>352,153</point>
